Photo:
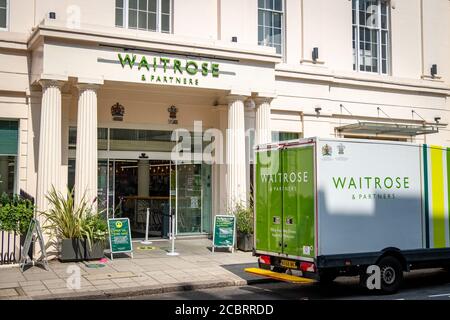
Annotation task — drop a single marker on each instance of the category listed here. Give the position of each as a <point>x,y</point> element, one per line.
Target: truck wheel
<point>391,274</point>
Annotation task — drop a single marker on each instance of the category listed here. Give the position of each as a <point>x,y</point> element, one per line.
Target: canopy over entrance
<point>392,129</point>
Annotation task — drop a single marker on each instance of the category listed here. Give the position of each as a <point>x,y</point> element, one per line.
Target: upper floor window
<point>151,15</point>
<point>270,24</point>
<point>3,14</point>
<point>371,36</point>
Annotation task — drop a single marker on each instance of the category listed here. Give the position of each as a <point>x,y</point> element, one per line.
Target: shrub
<point>244,218</point>
<point>15,213</point>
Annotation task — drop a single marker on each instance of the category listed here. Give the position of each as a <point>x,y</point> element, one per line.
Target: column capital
<point>51,83</point>
<point>88,86</point>
<point>235,97</point>
<point>260,100</point>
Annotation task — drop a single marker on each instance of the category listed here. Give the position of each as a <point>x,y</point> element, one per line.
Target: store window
<point>117,139</point>
<point>271,24</point>
<point>102,138</point>
<point>370,20</point>
<point>149,15</point>
<point>144,140</point>
<point>4,14</point>
<point>9,133</point>
<point>278,136</point>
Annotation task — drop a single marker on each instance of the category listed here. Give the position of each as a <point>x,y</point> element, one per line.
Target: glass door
<point>102,192</point>
<point>189,195</point>
<point>173,194</point>
<point>193,198</point>
<point>182,189</point>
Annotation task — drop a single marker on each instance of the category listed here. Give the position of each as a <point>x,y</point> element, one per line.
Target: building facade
<point>158,103</point>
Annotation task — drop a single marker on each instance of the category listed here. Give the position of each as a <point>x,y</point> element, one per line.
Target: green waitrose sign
<point>120,235</point>
<point>165,70</point>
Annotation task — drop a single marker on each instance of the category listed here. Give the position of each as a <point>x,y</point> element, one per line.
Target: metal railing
<point>10,248</point>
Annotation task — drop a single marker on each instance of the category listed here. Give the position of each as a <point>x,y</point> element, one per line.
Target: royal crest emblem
<point>341,149</point>
<point>327,150</point>
<point>173,115</point>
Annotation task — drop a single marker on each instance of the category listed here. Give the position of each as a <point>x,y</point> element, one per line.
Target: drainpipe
<point>302,123</point>
<point>302,32</point>
<point>422,52</point>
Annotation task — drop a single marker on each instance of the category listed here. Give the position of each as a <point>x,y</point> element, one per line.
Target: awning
<point>390,129</point>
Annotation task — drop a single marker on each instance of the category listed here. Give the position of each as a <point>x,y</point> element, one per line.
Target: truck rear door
<point>268,201</point>
<point>298,195</point>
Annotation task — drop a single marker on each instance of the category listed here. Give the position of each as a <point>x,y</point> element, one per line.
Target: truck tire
<point>391,274</point>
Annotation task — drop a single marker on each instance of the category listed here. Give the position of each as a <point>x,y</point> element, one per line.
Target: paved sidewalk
<point>151,271</point>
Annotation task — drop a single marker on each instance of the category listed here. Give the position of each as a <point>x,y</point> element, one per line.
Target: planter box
<point>245,242</point>
<point>78,250</point>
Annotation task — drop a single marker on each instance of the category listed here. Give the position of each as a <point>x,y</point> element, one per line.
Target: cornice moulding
<point>392,83</point>
<point>155,42</point>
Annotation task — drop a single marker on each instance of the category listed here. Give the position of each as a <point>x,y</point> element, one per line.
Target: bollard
<point>172,236</point>
<point>146,241</point>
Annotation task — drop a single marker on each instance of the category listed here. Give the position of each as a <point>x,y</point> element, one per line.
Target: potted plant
<point>81,232</point>
<point>244,226</point>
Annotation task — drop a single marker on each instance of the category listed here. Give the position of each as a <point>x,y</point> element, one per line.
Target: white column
<point>143,178</point>
<point>86,164</point>
<point>263,133</point>
<point>49,158</point>
<point>220,183</point>
<point>235,153</point>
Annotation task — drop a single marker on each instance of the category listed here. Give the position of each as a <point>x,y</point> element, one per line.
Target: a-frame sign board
<point>34,234</point>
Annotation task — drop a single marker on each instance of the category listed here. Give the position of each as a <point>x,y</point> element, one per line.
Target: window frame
<point>125,17</point>
<point>7,16</point>
<point>283,26</point>
<point>280,133</point>
<point>379,29</point>
<point>15,155</point>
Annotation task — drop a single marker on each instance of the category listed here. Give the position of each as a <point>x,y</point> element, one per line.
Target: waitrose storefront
<point>133,124</point>
<point>136,120</point>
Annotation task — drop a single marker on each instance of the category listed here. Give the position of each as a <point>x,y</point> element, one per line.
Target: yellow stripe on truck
<point>437,196</point>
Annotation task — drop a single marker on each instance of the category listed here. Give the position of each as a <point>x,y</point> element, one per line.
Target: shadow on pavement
<point>239,270</point>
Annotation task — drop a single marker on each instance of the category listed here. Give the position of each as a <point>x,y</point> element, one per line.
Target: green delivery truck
<point>331,207</point>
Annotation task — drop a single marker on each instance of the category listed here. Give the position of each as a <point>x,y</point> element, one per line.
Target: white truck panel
<point>369,196</point>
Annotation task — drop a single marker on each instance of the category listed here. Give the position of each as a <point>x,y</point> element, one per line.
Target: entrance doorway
<point>139,185</point>
<point>136,171</point>
<point>131,186</point>
<point>128,187</point>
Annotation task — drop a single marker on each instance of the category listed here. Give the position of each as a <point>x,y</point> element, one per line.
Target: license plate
<point>288,264</point>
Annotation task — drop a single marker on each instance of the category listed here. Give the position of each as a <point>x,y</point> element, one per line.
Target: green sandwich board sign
<point>120,236</point>
<point>224,232</point>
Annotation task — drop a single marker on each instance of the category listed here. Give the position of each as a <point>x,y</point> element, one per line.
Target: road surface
<point>431,284</point>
